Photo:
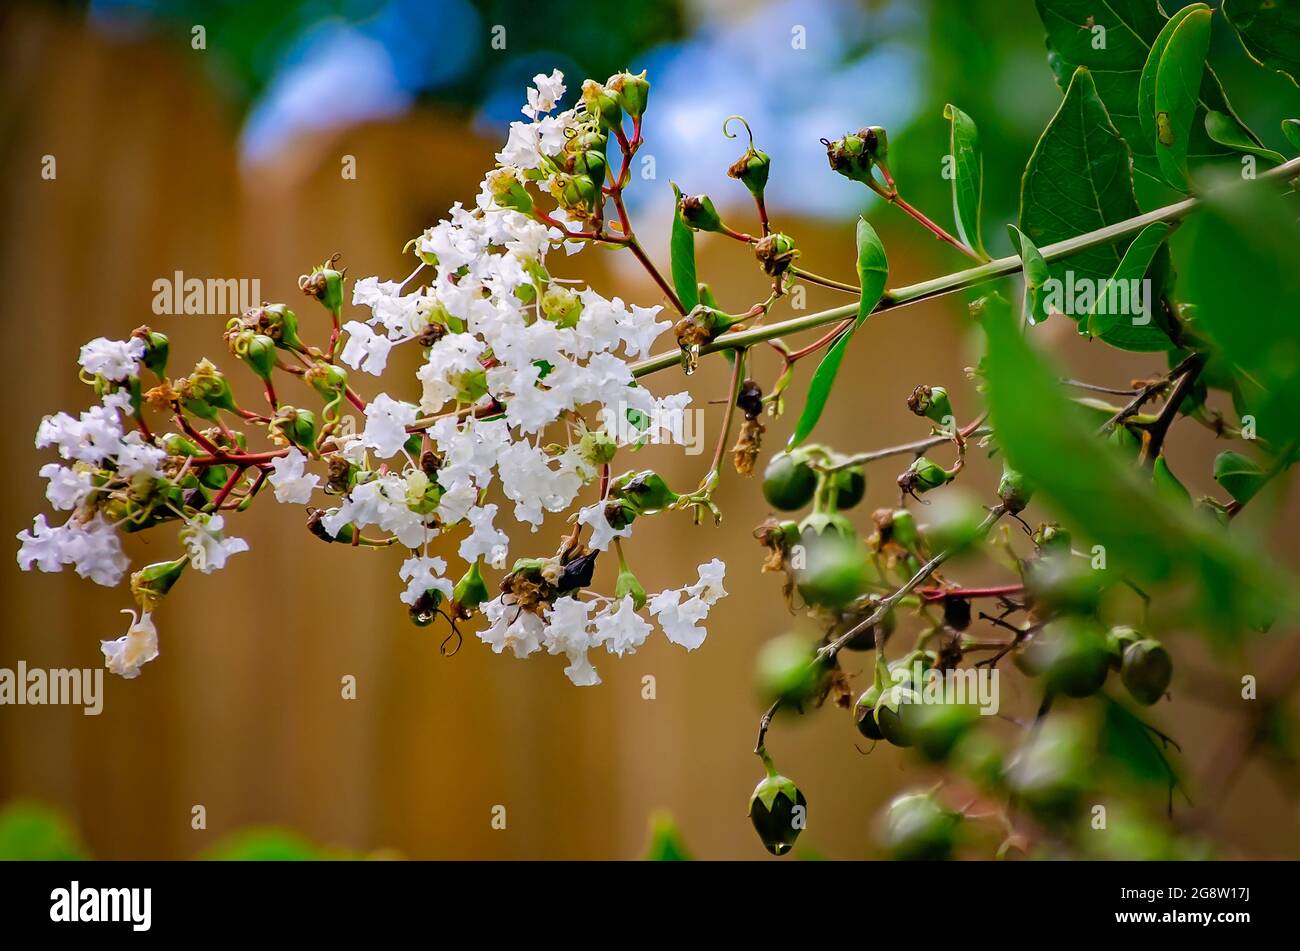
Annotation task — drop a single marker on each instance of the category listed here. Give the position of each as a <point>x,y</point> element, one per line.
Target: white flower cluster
<point>569,626</point>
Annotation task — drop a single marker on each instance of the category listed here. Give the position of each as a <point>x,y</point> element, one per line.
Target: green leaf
<point>1129,745</point>
<point>682,251</point>
<point>967,176</point>
<point>1036,273</point>
<point>1119,325</point>
<point>1240,476</point>
<point>666,844</point>
<point>1167,483</point>
<point>1269,31</point>
<point>873,272</point>
<point>1114,39</point>
<point>1110,502</point>
<point>1177,87</point>
<point>1291,129</point>
<point>1146,101</point>
<point>1223,130</point>
<point>1240,274</point>
<point>1078,180</point>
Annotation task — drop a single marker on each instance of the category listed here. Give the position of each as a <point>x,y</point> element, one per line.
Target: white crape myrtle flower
<point>69,486</point>
<point>485,541</point>
<point>383,501</point>
<point>92,546</point>
<point>450,360</point>
<point>568,632</point>
<point>423,574</point>
<point>208,548</point>
<point>289,478</point>
<point>622,631</point>
<point>681,619</point>
<point>602,533</point>
<point>511,626</point>
<point>139,645</point>
<point>94,437</point>
<point>112,359</point>
<point>386,422</point>
<point>456,501</point>
<point>137,457</point>
<point>536,483</point>
<point>547,91</point>
<point>365,349</point>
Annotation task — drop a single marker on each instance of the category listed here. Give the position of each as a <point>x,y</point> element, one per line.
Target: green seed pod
<point>205,391</point>
<point>980,756</point>
<point>787,671</point>
<point>848,486</point>
<point>1072,655</point>
<point>577,192</point>
<point>177,445</point>
<point>864,713</point>
<point>601,102</point>
<point>631,91</point>
<point>645,491</point>
<point>699,214</point>
<point>1050,773</point>
<point>903,529</point>
<point>590,141</point>
<point>939,726</point>
<point>932,403</point>
<point>753,167</point>
<point>327,379</point>
<point>1146,670</point>
<point>920,828</point>
<point>281,325</point>
<point>789,481</point>
<point>627,584</point>
<point>1014,491</point>
<point>779,812</point>
<point>854,154</point>
<point>257,351</point>
<point>597,447</point>
<point>775,253</point>
<point>1118,639</point>
<point>1056,582</point>
<point>898,713</point>
<point>471,590</point>
<point>922,476</point>
<point>296,425</point>
<point>833,571</point>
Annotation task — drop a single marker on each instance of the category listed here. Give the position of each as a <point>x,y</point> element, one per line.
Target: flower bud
<point>630,91</point>
<point>932,403</point>
<point>151,583</point>
<point>256,350</point>
<point>903,530</point>
<point>600,102</point>
<point>1052,770</point>
<point>787,670</point>
<point>854,154</point>
<point>750,399</point>
<point>1071,653</point>
<point>156,350</point>
<point>922,476</point>
<point>508,192</point>
<point>775,253</point>
<point>752,170</point>
<point>699,214</point>
<point>597,447</point>
<point>575,193</point>
<point>589,162</point>
<point>1118,639</point>
<point>471,590</point>
<point>175,444</point>
<point>1146,670</point>
<point>1014,491</point>
<point>778,811</point>
<point>789,481</point>
<point>315,526</point>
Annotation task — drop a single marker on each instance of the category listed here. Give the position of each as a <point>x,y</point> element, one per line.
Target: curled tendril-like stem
<point>726,128</point>
<point>455,632</point>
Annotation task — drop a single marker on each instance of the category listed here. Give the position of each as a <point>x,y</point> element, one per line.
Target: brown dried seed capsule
<point>430,463</point>
<point>430,334</point>
<point>750,398</point>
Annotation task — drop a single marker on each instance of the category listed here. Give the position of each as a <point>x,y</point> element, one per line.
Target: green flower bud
<point>753,167</point>
<point>626,584</point>
<point>575,193</point>
<point>471,590</point>
<point>776,253</point>
<point>156,350</point>
<point>177,445</point>
<point>509,192</point>
<point>854,154</point>
<point>932,403</point>
<point>590,163</point>
<point>205,391</point>
<point>922,476</point>
<point>1146,670</point>
<point>630,91</point>
<point>589,141</point>
<point>920,828</point>
<point>699,214</point>
<point>778,811</point>
<point>1014,491</point>
<point>256,350</point>
<point>151,583</point>
<point>789,481</point>
<point>599,101</point>
<point>645,491</point>
<point>562,305</point>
